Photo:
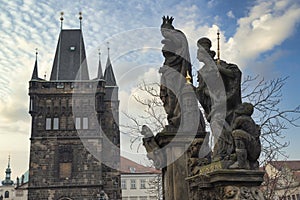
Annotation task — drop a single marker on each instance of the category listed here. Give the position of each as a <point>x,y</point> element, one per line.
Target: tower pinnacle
<point>35,75</point>
<point>100,74</point>
<point>109,76</point>
<point>8,180</point>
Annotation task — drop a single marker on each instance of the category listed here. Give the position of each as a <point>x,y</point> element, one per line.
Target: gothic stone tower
<point>75,136</point>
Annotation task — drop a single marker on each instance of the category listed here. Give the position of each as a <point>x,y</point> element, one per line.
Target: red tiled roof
<point>129,166</point>
<point>294,165</point>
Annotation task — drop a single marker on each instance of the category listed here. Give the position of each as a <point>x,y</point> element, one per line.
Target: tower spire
<point>100,74</point>
<point>218,50</point>
<point>8,165</point>
<point>35,69</point>
<point>8,180</point>
<point>109,76</point>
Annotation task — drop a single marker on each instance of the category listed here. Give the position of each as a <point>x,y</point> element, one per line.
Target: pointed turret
<point>35,75</point>
<point>100,74</point>
<point>8,180</point>
<point>109,76</point>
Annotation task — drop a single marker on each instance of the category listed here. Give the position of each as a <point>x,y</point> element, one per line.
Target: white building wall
<point>129,192</point>
<point>19,194</point>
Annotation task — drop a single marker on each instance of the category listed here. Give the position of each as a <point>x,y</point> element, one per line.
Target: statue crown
<point>167,22</point>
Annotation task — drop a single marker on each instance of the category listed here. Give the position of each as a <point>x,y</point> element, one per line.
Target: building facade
<point>75,138</point>
<point>282,180</point>
<point>13,191</point>
<point>139,182</point>
<point>7,187</point>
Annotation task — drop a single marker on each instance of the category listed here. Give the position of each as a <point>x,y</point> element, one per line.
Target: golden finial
<point>36,53</point>
<point>80,15</point>
<point>80,19</point>
<point>108,47</point>
<point>188,78</point>
<point>218,50</point>
<point>61,19</point>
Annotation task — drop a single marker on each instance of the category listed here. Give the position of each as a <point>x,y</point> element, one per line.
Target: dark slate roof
<point>109,76</point>
<point>100,73</point>
<point>70,52</point>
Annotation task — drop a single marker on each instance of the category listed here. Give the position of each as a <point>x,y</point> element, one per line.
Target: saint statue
<point>174,70</point>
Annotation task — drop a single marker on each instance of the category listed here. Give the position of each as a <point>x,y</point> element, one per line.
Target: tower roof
<point>100,74</point>
<point>109,76</point>
<point>8,180</point>
<point>70,57</point>
<point>35,74</point>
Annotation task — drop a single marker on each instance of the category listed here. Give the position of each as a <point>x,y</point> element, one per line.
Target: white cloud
<point>211,3</point>
<point>230,14</point>
<point>265,27</point>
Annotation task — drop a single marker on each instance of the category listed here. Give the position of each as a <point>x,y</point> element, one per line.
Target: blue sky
<point>261,36</point>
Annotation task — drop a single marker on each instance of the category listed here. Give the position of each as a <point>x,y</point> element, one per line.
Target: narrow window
<point>55,123</point>
<point>123,185</point>
<point>132,184</point>
<point>48,123</point>
<point>77,123</point>
<point>85,123</point>
<point>143,184</point>
<point>6,194</point>
<point>31,105</point>
<point>65,162</point>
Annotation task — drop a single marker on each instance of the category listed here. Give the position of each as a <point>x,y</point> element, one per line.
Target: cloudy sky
<point>261,36</point>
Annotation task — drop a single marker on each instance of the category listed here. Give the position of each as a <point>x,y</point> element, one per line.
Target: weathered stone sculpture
<point>181,150</point>
<point>246,138</point>
<point>168,148</point>
<point>232,127</point>
<point>152,148</point>
<point>233,170</point>
<point>177,63</point>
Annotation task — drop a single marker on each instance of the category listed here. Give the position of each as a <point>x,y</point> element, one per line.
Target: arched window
<point>6,194</point>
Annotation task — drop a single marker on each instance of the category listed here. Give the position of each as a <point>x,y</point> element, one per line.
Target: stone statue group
<point>235,134</point>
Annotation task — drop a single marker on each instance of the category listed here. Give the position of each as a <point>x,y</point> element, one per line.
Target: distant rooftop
<point>130,167</point>
<point>291,164</point>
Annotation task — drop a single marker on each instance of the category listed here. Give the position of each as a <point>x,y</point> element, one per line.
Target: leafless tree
<point>266,97</point>
<point>155,187</point>
<point>153,113</point>
<point>279,181</point>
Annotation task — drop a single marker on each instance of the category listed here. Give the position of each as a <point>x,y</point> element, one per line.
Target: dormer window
<point>132,169</point>
<point>72,48</point>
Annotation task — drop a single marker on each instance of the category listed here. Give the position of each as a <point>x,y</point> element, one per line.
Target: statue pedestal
<point>226,184</point>
<point>174,170</point>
